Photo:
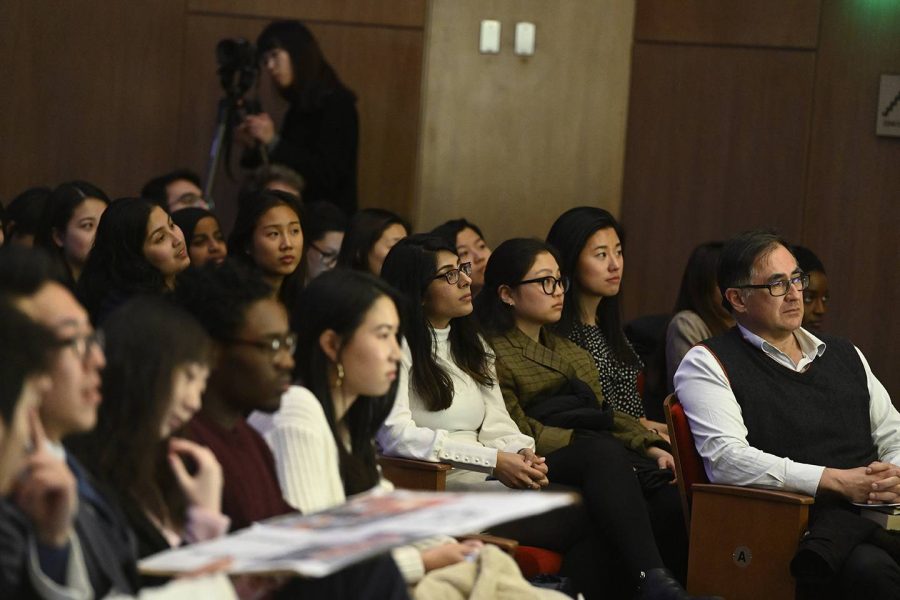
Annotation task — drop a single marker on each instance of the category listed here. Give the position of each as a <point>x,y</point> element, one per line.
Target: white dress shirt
<point>721,436</point>
<point>467,434</point>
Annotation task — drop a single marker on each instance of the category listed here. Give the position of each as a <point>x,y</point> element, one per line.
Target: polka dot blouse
<point>619,381</point>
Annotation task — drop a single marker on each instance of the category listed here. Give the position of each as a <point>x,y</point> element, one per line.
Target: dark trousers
<point>870,572</point>
<point>617,532</point>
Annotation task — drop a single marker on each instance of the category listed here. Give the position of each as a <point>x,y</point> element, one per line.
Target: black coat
<point>321,143</point>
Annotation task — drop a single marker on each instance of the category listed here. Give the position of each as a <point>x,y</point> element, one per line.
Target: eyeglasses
<point>83,344</point>
<point>328,258</point>
<point>780,288</point>
<point>188,200</point>
<point>274,345</point>
<point>452,276</point>
<point>549,283</point>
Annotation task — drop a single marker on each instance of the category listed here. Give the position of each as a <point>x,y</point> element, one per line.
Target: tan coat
<point>528,371</point>
<point>494,576</point>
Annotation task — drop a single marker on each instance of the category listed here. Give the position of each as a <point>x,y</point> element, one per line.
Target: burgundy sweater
<point>251,491</point>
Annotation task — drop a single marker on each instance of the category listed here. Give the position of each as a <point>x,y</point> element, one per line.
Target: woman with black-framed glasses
<point>449,406</point>
<point>323,226</point>
<point>551,389</point>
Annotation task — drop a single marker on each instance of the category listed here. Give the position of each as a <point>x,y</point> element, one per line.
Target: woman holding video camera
<point>320,132</point>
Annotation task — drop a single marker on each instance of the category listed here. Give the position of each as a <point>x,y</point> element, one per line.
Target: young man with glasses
<point>67,534</point>
<point>253,368</point>
<point>772,405</point>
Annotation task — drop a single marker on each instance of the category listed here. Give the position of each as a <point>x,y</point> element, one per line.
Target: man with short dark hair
<point>38,544</point>
<point>61,538</point>
<point>771,405</point>
<point>176,190</point>
<point>253,368</point>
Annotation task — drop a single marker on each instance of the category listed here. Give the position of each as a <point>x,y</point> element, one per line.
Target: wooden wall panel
<point>776,23</point>
<point>399,13</point>
<point>382,65</point>
<point>852,216</point>
<point>92,91</point>
<point>717,143</point>
<point>510,142</point>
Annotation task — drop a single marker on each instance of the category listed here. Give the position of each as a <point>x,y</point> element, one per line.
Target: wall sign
<point>888,120</point>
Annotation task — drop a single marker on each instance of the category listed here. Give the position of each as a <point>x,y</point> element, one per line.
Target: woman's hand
<point>449,554</point>
<point>538,462</point>
<point>664,460</point>
<point>203,488</point>
<point>516,471</point>
<point>256,128</point>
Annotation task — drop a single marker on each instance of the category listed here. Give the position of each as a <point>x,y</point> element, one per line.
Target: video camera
<point>237,70</point>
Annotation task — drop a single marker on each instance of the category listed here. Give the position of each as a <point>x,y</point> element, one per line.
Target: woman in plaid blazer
<point>523,293</point>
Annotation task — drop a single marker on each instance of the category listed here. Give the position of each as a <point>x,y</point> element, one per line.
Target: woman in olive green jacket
<point>523,293</point>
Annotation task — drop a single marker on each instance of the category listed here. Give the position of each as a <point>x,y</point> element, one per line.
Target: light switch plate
<point>489,42</point>
<point>525,33</point>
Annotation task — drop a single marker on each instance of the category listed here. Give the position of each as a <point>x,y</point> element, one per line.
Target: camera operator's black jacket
<point>321,144</point>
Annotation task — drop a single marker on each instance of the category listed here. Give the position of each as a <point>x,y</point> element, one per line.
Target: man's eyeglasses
<point>286,343</point>
<point>549,283</point>
<point>780,288</point>
<point>452,276</point>
<point>83,344</point>
<point>189,200</point>
<point>328,258</point>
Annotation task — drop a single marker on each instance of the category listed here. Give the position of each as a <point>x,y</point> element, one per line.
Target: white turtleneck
<point>467,435</point>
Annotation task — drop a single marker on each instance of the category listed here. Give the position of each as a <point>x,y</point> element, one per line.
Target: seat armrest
<point>412,474</point>
<point>410,463</point>
<point>753,493</point>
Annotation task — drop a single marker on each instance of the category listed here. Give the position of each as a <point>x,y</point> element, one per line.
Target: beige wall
<point>509,142</point>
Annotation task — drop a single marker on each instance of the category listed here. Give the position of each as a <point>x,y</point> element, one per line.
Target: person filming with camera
<point>320,132</point>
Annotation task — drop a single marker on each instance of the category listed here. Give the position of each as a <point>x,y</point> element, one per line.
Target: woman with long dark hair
<point>469,242</point>
<point>698,313</point>
<point>345,323</point>
<point>157,364</point>
<point>267,235</point>
<point>322,435</point>
<point>69,224</point>
<point>552,391</point>
<point>319,135</point>
<point>449,406</point>
<point>589,242</point>
<point>138,249</point>
<point>370,235</point>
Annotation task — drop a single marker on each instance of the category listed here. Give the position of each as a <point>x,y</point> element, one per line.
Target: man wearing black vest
<point>772,405</point>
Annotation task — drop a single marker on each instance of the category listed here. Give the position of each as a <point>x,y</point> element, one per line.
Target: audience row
<point>510,365</point>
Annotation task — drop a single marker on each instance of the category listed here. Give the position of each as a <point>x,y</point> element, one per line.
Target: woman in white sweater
<point>450,408</point>
<point>322,435</point>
